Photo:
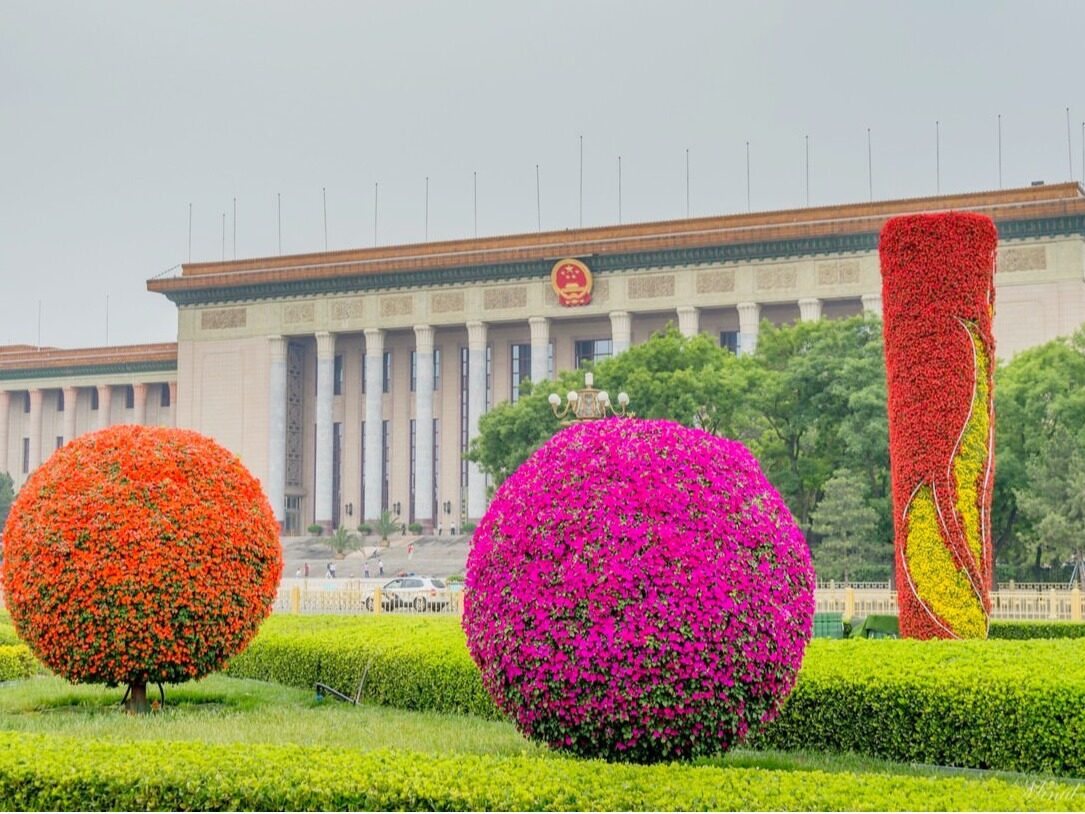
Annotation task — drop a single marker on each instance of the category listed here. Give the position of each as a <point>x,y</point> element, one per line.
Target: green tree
<point>849,529</point>
<point>7,497</point>
<point>1036,394</point>
<point>1053,500</point>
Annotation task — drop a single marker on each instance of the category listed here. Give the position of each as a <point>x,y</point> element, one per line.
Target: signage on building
<point>572,282</point>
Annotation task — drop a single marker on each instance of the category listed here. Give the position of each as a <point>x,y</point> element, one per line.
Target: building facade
<point>351,382</point>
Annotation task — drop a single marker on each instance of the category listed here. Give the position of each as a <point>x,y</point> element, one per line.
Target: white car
<point>420,593</point>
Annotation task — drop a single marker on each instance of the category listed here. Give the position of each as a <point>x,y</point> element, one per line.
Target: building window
<point>60,441</point>
<point>410,507</point>
<point>592,350</point>
<point>361,479</point>
<point>129,397</point>
<point>386,384</point>
<point>729,340</point>
<point>363,372</point>
<point>465,369</point>
<point>337,377</point>
<point>436,468</point>
<point>337,472</point>
<point>436,368</point>
<point>292,519</point>
<point>94,398</point>
<point>521,369</point>
<point>489,377</point>
<point>386,440</point>
<point>26,402</point>
<point>60,401</point>
<point>164,396</point>
<point>26,456</point>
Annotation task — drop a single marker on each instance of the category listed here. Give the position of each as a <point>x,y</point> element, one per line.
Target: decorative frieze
<point>401,305</point>
<point>348,309</point>
<point>838,272</point>
<point>222,318</point>
<point>446,302</point>
<point>600,293</point>
<point>495,298</point>
<point>1022,258</point>
<point>775,278</point>
<point>649,286</point>
<point>298,313</point>
<point>715,281</point>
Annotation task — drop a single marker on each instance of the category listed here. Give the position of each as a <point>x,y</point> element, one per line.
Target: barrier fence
<point>346,596</point>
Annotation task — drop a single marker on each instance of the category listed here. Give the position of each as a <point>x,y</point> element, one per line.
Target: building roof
<point>1059,207</point>
<point>24,361</point>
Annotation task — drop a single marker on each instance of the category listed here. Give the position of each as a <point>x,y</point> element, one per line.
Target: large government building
<point>351,382</point>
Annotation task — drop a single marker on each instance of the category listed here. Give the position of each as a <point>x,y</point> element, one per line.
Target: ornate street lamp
<point>588,403</point>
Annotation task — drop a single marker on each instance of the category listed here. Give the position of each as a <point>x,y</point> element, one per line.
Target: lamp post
<point>588,403</point>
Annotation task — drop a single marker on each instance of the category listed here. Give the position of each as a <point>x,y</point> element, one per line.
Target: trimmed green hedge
<point>16,661</point>
<point>1010,705</point>
<point>1037,630</point>
<point>409,662</point>
<point>45,772</point>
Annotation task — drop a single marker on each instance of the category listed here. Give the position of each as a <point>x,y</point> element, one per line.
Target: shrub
<point>418,662</point>
<point>16,661</point>
<point>48,772</point>
<point>315,529</point>
<point>140,554</point>
<point>468,527</point>
<point>1036,630</point>
<point>415,528</point>
<point>365,529</point>
<point>638,591</point>
<point>343,540</point>
<point>939,354</point>
<point>1015,706</point>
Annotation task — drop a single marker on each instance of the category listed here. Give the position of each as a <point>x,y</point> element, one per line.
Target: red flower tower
<point>938,301</point>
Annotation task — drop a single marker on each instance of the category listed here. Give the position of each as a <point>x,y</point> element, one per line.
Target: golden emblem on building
<point>572,282</point>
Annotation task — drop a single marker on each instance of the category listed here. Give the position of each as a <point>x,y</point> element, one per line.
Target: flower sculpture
<point>140,555</point>
<point>638,591</point>
<point>938,298</point>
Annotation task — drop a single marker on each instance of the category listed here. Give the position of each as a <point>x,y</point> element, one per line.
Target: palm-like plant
<point>342,540</point>
<point>387,525</point>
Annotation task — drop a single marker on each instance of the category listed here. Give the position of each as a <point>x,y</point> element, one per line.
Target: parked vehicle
<point>419,593</point>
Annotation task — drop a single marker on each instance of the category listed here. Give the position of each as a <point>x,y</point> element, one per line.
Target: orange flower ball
<point>140,555</point>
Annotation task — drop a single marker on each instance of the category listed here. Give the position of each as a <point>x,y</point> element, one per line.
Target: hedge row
<point>1010,705</point>
<point>409,662</point>
<point>46,772</point>
<point>16,661</point>
<point>1036,630</point>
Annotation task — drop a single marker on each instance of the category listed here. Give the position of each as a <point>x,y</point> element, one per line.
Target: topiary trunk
<point>137,700</point>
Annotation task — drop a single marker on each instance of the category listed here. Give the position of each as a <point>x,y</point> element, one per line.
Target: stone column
<point>173,402</point>
<point>71,399</point>
<point>476,406</point>
<point>749,314</point>
<point>105,403</point>
<point>540,348</point>
<point>423,427</point>
<point>139,403</point>
<point>689,320</point>
<point>276,448</point>
<point>374,415</point>
<point>872,304</point>
<point>36,397</point>
<point>620,331</point>
<point>809,309</point>
<point>325,384</point>
<point>5,413</point>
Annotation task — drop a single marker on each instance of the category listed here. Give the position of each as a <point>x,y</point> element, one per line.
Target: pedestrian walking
<point>305,570</point>
<point>380,567</point>
<point>366,571</point>
<point>410,550</point>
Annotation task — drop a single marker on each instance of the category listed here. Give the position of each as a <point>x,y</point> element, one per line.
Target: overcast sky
<point>117,116</point>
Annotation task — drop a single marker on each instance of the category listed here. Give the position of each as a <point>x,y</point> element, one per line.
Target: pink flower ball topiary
<point>638,591</point>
